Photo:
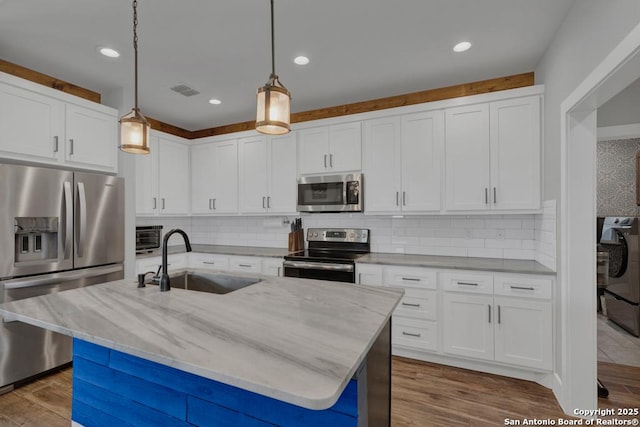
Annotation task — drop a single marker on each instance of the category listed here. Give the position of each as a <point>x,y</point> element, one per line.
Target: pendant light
<point>134,128</point>
<point>274,100</point>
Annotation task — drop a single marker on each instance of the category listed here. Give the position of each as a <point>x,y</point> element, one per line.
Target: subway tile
<point>503,244</point>
<point>518,234</point>
<point>485,252</point>
<point>518,254</point>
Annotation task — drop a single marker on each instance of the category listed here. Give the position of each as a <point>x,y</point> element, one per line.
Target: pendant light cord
<point>135,49</point>
<point>273,45</point>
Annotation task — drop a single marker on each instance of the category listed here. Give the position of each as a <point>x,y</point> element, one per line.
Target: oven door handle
<point>309,265</point>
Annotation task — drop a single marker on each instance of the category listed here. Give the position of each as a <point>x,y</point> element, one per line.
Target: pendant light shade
<point>134,128</point>
<point>274,100</point>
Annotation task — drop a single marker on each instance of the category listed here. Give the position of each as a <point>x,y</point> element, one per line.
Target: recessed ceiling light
<point>215,101</point>
<point>461,47</point>
<point>109,52</point>
<point>301,60</point>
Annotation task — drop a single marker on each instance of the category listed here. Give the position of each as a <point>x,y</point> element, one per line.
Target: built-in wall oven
<point>331,254</point>
<point>330,193</point>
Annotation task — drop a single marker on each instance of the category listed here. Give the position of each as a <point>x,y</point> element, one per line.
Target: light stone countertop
<point>296,340</point>
<point>457,263</point>
<point>222,250</point>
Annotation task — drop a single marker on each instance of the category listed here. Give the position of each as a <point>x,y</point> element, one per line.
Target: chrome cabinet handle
<point>71,147</point>
<point>404,198</point>
<point>523,288</point>
<point>486,196</point>
<point>263,202</point>
<point>279,268</point>
<point>467,283</point>
<point>408,304</point>
<point>359,278</point>
<point>210,204</point>
<point>325,160</point>
<point>410,279</point>
<point>498,315</point>
<point>397,198</point>
<point>82,225</point>
<point>155,203</point>
<point>209,262</point>
<point>268,201</point>
<point>68,220</point>
<point>163,205</point>
<point>495,199</point>
<point>214,204</point>
<point>489,305</point>
<point>244,265</point>
<point>330,160</point>
<point>409,334</point>
<point>55,144</point>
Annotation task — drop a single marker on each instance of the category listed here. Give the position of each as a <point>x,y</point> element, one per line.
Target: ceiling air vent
<point>185,90</point>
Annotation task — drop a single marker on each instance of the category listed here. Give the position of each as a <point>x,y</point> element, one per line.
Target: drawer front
<point>417,303</point>
<point>209,261</point>
<point>410,277</point>
<point>479,283</point>
<point>245,264</point>
<point>272,267</point>
<point>418,334</point>
<point>523,286</point>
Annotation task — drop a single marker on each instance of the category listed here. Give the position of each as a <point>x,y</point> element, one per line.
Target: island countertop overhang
<point>296,340</point>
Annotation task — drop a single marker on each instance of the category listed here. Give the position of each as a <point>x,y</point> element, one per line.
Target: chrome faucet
<point>165,282</point>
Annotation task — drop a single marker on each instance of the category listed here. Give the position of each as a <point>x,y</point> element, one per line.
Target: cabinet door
<point>422,140</point>
<point>146,180</point>
<point>242,264</point>
<point>313,150</point>
<point>345,147</point>
<point>91,138</point>
<point>173,177</point>
<point>369,274</point>
<point>467,157</point>
<point>523,332</point>
<point>225,168</point>
<point>515,153</point>
<point>202,178</point>
<point>252,171</point>
<point>30,125</point>
<point>209,261</point>
<point>382,164</point>
<point>272,267</point>
<point>468,325</point>
<point>283,173</point>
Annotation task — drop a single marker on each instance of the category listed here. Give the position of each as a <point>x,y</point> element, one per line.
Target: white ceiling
<point>359,49</point>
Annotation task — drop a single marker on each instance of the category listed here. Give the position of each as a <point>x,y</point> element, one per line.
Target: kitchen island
<point>283,352</point>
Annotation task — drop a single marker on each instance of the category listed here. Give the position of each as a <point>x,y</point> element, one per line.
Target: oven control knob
<point>352,235</point>
<point>314,234</point>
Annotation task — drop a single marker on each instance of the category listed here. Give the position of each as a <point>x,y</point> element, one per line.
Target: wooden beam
<point>45,80</point>
<point>456,91</point>
<point>170,129</point>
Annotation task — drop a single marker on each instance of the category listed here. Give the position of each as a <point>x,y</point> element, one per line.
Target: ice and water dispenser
<point>36,239</point>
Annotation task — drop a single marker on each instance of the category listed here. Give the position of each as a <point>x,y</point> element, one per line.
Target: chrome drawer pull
<point>410,279</point>
<point>409,334</point>
<point>209,262</point>
<point>245,265</point>
<point>523,288</point>
<point>467,283</point>
<point>408,304</point>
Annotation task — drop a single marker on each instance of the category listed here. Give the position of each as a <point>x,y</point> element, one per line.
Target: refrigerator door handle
<point>82,216</point>
<point>68,228</point>
<point>50,279</point>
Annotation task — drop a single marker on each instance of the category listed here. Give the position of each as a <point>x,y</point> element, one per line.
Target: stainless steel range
<point>331,254</point>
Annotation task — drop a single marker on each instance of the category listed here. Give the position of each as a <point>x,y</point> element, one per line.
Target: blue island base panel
<point>111,388</point>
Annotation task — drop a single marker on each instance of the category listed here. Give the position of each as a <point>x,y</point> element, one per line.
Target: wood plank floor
<point>423,395</point>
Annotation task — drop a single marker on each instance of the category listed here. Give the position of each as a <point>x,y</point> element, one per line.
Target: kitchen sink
<point>213,283</point>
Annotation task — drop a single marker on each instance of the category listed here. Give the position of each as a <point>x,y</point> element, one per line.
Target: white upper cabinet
<point>214,178</point>
<point>162,178</point>
<point>173,177</point>
<point>492,156</point>
<point>467,157</point>
<point>31,125</point>
<point>402,158</point>
<point>41,125</point>
<point>267,174</point>
<point>335,148</point>
<point>91,138</point>
<point>515,153</point>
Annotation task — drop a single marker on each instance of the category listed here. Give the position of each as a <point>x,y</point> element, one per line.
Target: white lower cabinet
<point>268,266</point>
<point>510,324</point>
<point>272,267</point>
<point>209,261</point>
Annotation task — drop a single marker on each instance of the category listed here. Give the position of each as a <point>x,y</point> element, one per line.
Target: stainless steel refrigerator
<point>59,230</point>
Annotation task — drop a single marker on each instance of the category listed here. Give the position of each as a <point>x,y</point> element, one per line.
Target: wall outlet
<point>500,234</point>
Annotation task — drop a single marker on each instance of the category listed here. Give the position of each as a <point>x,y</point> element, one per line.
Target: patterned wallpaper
<point>616,181</point>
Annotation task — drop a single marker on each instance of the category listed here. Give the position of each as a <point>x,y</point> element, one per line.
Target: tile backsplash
<point>488,236</point>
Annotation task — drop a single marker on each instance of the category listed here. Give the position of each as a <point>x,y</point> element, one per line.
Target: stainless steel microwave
<point>330,193</point>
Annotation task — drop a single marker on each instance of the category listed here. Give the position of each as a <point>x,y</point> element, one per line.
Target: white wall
<point>590,31</point>
<point>622,109</point>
